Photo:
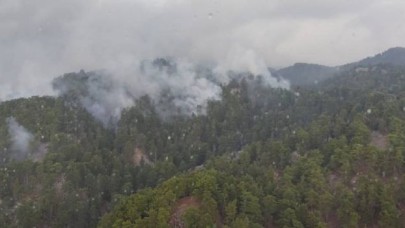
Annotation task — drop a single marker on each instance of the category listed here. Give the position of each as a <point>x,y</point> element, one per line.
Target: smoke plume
<point>42,39</point>
<point>177,86</point>
<point>20,139</point>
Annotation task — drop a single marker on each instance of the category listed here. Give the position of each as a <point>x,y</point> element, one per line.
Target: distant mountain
<point>393,56</point>
<point>305,74</point>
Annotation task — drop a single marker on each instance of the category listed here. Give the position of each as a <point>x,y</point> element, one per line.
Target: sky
<point>42,39</point>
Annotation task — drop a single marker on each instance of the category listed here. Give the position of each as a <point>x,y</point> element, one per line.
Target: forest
<point>326,155</point>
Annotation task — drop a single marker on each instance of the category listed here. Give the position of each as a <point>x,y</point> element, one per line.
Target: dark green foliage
<point>327,156</point>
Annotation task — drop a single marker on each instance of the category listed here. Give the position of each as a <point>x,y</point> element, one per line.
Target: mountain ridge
<point>310,74</point>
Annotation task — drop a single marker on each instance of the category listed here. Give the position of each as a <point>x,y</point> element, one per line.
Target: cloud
<point>42,39</point>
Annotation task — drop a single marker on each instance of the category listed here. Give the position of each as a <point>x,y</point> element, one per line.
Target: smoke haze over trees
<point>20,139</point>
<point>330,155</point>
<point>43,39</point>
<point>178,113</point>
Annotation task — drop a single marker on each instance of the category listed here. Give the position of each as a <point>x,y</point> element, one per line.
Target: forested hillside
<point>327,156</point>
<point>309,75</point>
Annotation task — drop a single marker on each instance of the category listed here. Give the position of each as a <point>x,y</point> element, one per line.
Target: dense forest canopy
<point>329,155</point>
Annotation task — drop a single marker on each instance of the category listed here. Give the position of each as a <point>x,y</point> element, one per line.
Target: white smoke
<point>188,89</point>
<point>20,139</point>
<point>241,59</point>
<point>45,38</point>
<point>105,100</point>
<point>177,86</point>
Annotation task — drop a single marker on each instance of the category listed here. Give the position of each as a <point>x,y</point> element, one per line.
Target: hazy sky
<point>42,39</point>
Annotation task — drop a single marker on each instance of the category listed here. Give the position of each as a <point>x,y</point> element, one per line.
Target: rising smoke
<point>177,87</point>
<point>97,92</point>
<point>20,139</point>
<point>49,38</point>
<point>45,38</point>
